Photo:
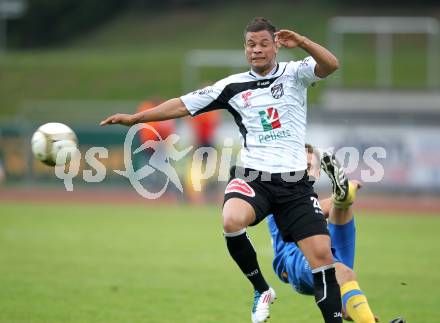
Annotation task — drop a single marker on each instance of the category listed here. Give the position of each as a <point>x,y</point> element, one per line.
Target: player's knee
<point>322,255</point>
<point>317,250</point>
<point>320,252</point>
<point>233,222</point>
<point>237,215</point>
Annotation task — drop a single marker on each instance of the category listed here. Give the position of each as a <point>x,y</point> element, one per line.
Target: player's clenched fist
<point>288,38</point>
<point>123,119</point>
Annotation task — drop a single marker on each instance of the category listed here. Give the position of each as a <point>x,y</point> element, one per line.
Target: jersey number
<point>316,205</point>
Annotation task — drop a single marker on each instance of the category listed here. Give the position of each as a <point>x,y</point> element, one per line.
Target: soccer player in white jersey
<point>269,105</point>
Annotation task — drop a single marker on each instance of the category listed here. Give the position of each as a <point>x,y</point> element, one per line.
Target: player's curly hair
<point>259,24</point>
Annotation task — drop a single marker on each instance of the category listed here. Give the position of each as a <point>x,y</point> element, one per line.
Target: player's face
<point>261,51</point>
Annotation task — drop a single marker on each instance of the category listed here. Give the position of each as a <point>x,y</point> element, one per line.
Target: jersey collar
<point>271,73</point>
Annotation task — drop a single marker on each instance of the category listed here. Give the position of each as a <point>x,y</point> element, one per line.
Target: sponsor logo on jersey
<point>277,91</point>
<point>237,185</point>
<point>263,83</point>
<point>304,62</point>
<point>270,119</point>
<point>274,135</point>
<point>246,99</point>
<point>203,91</point>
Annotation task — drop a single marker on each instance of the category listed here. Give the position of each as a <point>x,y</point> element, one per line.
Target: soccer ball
<point>50,139</point>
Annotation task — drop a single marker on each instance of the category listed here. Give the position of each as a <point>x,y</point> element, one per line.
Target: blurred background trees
<point>47,22</point>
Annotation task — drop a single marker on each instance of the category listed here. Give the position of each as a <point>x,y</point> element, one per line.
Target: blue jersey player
<point>290,264</point>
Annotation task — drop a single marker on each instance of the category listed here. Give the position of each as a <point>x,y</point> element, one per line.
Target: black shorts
<point>288,196</point>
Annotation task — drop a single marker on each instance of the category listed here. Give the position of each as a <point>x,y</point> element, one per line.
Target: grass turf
<point>84,263</point>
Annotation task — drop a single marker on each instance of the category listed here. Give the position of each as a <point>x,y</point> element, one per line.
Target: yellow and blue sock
<point>355,303</point>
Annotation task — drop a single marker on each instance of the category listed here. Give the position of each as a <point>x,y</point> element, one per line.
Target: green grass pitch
<point>96,263</point>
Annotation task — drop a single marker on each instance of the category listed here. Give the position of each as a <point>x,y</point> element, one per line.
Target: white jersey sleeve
<point>305,71</point>
<point>206,99</point>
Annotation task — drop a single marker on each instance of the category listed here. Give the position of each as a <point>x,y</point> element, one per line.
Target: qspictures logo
<point>206,162</point>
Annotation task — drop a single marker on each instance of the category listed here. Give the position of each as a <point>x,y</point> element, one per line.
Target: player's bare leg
<point>317,250</point>
<point>237,216</point>
<point>326,205</point>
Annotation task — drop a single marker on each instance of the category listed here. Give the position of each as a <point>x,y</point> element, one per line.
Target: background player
<point>289,262</point>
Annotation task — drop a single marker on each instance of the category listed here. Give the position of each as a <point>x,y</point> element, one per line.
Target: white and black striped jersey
<point>270,111</point>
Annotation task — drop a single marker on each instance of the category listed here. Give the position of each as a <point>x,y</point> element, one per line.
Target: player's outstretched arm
<point>170,109</point>
<point>327,63</point>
